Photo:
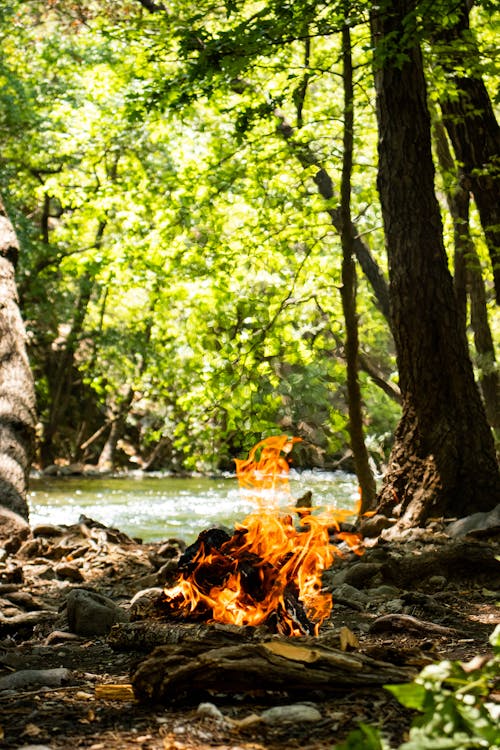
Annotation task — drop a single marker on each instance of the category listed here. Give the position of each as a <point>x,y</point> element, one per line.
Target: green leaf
<point>363,738</point>
<point>412,695</point>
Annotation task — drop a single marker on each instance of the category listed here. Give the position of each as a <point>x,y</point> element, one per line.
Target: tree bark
<point>179,674</point>
<point>348,293</point>
<point>443,460</point>
<point>473,129</point>
<point>17,393</point>
<point>306,156</point>
<point>468,278</point>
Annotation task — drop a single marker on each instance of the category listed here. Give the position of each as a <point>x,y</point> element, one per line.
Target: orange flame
<point>268,571</point>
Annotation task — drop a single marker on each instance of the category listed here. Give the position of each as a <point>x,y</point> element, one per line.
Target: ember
<point>268,572</point>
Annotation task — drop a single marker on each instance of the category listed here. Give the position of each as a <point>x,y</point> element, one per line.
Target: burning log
<point>185,673</point>
<point>267,572</point>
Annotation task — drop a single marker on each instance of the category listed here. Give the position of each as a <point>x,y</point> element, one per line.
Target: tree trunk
<point>348,293</point>
<point>306,156</point>
<point>17,393</point>
<point>443,460</point>
<point>474,131</point>
<point>469,279</point>
<point>118,418</point>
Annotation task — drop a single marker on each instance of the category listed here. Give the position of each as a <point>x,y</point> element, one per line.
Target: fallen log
<point>183,674</point>
<point>391,622</point>
<point>148,635</point>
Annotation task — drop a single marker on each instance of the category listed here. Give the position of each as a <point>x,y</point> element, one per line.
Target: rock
<point>14,530</point>
<point>90,613</point>
<point>476,524</point>
<point>361,573</point>
<point>295,713</point>
<point>438,582</point>
<point>30,548</point>
<point>47,573</point>
<point>68,572</point>
<point>371,527</point>
<point>47,529</point>
<point>143,604</point>
<point>395,606</point>
<point>168,572</point>
<point>35,678</point>
<point>383,592</point>
<point>346,594</point>
<point>210,710</point>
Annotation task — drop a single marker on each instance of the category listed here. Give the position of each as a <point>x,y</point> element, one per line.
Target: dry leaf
<point>81,695</point>
<point>347,639</point>
<point>294,653</point>
<point>32,730</point>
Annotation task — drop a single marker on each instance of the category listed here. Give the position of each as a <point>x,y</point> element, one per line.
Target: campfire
<point>269,570</point>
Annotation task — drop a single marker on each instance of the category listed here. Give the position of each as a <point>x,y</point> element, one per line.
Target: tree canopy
<point>174,174</point>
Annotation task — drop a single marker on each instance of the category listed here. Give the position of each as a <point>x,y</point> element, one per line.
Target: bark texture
<point>470,120</point>
<point>443,460</point>
<point>468,278</point>
<point>17,395</point>
<point>349,290</point>
<point>180,674</point>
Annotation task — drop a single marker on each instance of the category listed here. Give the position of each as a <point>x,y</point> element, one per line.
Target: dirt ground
<point>79,713</point>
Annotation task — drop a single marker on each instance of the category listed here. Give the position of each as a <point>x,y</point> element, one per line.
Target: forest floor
<point>410,601</point>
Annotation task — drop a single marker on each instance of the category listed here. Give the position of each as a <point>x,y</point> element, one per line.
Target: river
<point>160,507</point>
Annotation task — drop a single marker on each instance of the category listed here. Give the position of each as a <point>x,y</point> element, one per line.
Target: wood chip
<point>121,692</point>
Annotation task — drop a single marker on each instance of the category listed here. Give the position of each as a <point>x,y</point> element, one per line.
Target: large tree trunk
<point>443,460</point>
<point>17,393</point>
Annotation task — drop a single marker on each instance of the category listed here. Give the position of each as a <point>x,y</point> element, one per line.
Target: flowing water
<point>160,507</point>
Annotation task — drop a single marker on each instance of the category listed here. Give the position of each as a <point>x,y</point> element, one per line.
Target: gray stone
<point>34,678</point>
<point>361,573</point>
<point>210,710</point>
<point>476,523</point>
<point>351,595</point>
<point>395,606</point>
<point>383,592</point>
<point>90,613</point>
<point>295,713</point>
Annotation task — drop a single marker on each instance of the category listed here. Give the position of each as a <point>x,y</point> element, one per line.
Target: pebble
<point>210,710</point>
<point>438,582</point>
<point>294,713</point>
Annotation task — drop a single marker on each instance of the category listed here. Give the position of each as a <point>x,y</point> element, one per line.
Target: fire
<point>268,572</point>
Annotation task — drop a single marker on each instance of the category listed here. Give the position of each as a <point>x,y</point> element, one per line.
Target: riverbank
<point>405,602</point>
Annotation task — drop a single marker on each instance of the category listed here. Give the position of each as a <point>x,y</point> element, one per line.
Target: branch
<point>324,183</point>
<point>152,6</point>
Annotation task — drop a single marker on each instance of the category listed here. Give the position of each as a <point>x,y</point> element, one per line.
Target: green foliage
<point>175,249</point>
<point>455,707</point>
